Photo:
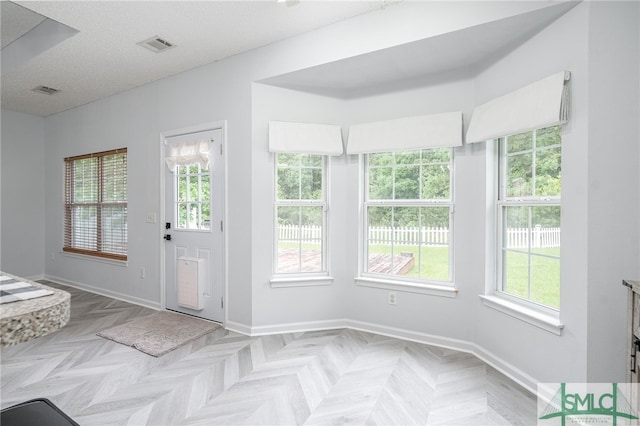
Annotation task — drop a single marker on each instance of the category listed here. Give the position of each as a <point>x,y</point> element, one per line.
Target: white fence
<point>540,237</point>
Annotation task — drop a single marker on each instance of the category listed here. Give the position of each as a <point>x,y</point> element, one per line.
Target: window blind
<point>305,138</point>
<point>541,104</point>
<point>408,133</point>
<point>95,208</point>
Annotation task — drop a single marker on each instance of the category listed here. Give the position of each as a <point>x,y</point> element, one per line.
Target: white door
<point>194,237</point>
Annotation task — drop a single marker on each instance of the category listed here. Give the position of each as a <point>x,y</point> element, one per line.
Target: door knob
<point>167,237</point>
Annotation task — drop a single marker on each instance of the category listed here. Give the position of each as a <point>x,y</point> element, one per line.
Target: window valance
<point>188,152</point>
<point>408,133</point>
<point>305,138</point>
<point>541,104</point>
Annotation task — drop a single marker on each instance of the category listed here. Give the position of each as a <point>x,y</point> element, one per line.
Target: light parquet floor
<point>314,378</point>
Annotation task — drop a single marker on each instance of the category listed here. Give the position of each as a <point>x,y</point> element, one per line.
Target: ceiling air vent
<point>45,90</point>
<point>157,44</point>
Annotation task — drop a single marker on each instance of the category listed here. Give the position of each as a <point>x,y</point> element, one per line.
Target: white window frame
<point>530,311</point>
<point>396,282</point>
<point>285,279</point>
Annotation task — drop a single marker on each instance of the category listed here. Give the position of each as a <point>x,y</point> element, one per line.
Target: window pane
<point>288,184</point>
<point>545,281</point>
<point>519,175</point>
<point>548,172</point>
<point>548,136</point>
<point>182,188</point>
<point>545,232</point>
<point>380,239</point>
<point>409,240</point>
<point>309,160</point>
<point>435,182</point>
<point>407,157</point>
<point>436,155</point>
<point>299,177</point>
<point>85,180</point>
<point>288,160</point>
<point>206,215</point>
<point>380,183</point>
<point>516,273</point>
<point>380,159</point>
<point>519,142</point>
<point>182,215</point>
<point>407,183</point>
<point>205,187</point>
<point>114,178</point>
<point>405,221</point>
<point>300,239</point>
<point>516,227</point>
<point>114,229</point>
<point>311,185</point>
<point>434,253</point>
<point>193,208</point>
<point>84,234</point>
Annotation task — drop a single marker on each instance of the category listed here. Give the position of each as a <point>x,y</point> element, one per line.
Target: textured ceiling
<point>103,58</point>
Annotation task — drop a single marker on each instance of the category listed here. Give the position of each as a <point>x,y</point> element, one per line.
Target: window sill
<point>430,289</point>
<point>538,319</point>
<point>123,263</point>
<point>300,282</point>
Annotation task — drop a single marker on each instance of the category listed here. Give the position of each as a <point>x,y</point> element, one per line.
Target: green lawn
<point>430,262</point>
<point>433,263</point>
<point>544,285</point>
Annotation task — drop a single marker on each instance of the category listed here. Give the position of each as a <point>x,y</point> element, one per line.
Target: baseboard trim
<point>238,327</point>
<point>491,359</point>
<point>103,292</point>
<point>298,327</point>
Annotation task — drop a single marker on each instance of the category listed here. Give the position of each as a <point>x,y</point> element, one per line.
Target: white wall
<point>23,211</point>
<point>614,217</point>
<point>135,119</point>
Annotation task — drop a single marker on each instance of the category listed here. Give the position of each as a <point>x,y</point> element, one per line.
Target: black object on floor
<point>36,412</point>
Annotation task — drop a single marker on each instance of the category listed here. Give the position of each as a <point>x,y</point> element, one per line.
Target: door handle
<point>167,237</point>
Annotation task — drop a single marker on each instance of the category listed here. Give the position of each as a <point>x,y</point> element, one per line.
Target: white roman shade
<point>408,133</point>
<point>188,152</point>
<point>541,104</point>
<point>305,138</point>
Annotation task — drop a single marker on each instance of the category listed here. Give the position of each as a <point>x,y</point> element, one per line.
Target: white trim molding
<point>540,320</point>
<point>102,292</point>
<point>430,289</point>
<point>300,281</point>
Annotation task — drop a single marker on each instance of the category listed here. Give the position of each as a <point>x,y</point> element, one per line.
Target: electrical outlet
<point>392,297</point>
